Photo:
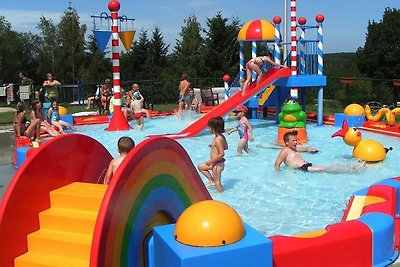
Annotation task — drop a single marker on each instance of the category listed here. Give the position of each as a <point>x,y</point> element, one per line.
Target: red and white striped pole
<point>118,121</point>
<point>293,42</point>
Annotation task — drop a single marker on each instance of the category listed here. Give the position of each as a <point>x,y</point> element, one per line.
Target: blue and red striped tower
<point>118,121</point>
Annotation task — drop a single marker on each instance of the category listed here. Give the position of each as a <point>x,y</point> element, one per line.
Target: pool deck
<point>7,168</point>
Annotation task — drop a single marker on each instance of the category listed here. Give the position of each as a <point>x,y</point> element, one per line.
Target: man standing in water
<point>183,89</point>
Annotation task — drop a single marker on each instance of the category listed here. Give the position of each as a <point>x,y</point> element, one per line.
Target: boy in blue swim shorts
<point>183,98</point>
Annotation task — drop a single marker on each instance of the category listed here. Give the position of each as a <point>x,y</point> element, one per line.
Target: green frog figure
<point>292,116</point>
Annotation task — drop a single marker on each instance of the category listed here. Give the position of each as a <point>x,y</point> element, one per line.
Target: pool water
<point>275,203</point>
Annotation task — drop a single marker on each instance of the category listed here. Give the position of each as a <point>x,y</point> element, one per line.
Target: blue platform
<point>67,118</point>
<point>254,250</point>
<point>352,121</point>
<point>21,155</point>
<point>302,81</point>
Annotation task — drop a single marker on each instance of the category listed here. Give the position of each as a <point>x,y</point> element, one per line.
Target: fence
<point>155,91</point>
<point>70,94</point>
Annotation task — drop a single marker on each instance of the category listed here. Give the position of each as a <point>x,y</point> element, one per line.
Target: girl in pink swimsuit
<point>255,64</point>
<point>244,129</point>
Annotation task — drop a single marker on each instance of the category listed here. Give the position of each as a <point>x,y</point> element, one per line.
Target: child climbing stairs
<point>66,228</point>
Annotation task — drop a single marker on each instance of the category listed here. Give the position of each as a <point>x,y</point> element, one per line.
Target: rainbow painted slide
<point>229,105</point>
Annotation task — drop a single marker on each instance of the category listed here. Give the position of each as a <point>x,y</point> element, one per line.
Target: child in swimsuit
<point>37,113</point>
<point>255,64</point>
<point>54,117</point>
<point>22,127</point>
<point>290,155</point>
<point>244,129</point>
<point>216,163</point>
<point>183,98</point>
<point>304,167</point>
<point>136,106</point>
<point>135,89</point>
<point>125,145</point>
<point>195,104</point>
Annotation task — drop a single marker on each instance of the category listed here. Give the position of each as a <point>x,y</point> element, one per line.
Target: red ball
<point>277,20</point>
<point>319,18</point>
<point>226,78</point>
<point>113,6</point>
<point>302,20</point>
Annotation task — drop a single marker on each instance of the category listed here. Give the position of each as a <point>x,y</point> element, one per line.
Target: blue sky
<point>345,23</point>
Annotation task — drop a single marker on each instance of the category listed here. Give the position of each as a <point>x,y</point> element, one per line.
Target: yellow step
<point>80,196</point>
<point>66,228</point>
<point>47,260</point>
<point>68,220</point>
<point>264,97</point>
<point>60,243</point>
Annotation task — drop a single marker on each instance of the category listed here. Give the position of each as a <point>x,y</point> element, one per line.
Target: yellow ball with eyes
<point>354,110</point>
<point>209,223</point>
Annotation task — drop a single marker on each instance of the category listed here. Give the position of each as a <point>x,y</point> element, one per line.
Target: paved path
<point>6,128</point>
<point>7,169</point>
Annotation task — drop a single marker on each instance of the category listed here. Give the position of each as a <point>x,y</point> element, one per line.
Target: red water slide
<point>230,104</point>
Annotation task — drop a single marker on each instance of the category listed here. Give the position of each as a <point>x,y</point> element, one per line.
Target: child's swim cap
<point>241,108</point>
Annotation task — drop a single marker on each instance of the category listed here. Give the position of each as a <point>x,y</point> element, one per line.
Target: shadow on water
<point>7,168</point>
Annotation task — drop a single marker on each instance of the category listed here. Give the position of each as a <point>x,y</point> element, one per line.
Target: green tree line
<point>206,53</point>
<point>373,68</point>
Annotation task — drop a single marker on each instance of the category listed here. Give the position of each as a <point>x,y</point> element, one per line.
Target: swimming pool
<point>283,203</point>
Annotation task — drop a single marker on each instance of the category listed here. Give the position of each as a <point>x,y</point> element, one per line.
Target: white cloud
<point>200,3</point>
<point>27,20</point>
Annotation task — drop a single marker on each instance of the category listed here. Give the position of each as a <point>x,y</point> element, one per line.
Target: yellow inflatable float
<point>368,150</point>
<point>354,110</point>
<point>390,115</point>
<point>62,111</point>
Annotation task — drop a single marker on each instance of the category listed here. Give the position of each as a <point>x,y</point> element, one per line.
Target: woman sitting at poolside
<point>54,118</point>
<point>37,113</point>
<point>22,127</point>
